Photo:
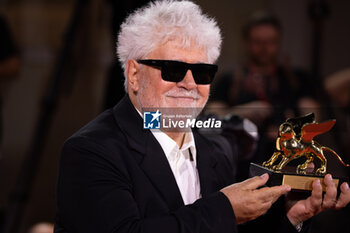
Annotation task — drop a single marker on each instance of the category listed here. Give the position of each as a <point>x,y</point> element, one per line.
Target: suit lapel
<point>206,165</point>
<point>150,155</point>
<point>157,168</point>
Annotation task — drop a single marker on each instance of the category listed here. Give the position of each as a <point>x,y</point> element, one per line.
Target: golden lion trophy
<point>295,140</point>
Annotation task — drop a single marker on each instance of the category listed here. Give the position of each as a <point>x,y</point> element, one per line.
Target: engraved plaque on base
<point>298,182</point>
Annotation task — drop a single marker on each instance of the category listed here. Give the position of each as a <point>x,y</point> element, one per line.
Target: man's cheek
<point>204,91</point>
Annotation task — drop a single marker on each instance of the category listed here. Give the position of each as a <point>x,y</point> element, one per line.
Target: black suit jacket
<point>115,177</point>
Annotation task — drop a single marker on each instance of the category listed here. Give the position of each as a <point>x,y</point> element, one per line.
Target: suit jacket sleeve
<point>95,195</point>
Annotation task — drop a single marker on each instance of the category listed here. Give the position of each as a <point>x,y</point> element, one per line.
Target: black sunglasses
<point>175,71</point>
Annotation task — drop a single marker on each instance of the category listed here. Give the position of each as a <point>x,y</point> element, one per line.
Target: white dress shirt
<point>182,165</point>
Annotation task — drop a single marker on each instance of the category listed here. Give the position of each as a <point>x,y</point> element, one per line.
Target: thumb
<point>255,182</point>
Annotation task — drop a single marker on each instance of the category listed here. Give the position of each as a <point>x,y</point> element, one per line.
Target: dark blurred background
<point>66,52</point>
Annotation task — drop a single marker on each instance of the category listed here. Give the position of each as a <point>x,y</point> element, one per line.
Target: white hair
<point>163,21</point>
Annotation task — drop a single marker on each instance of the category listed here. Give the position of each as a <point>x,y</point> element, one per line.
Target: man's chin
<point>176,105</point>
<point>189,108</point>
<point>182,102</point>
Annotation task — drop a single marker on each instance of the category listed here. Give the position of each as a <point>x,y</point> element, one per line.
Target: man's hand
<point>248,202</point>
<point>305,209</point>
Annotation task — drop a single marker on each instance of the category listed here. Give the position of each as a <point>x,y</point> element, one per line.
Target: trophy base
<point>288,175</point>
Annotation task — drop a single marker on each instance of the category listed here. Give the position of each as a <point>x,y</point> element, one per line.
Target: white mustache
<point>182,93</point>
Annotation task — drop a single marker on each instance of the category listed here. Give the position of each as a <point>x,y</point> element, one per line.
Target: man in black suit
<point>116,176</point>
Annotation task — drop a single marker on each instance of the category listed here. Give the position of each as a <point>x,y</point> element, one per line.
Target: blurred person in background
<point>337,85</point>
<point>265,90</point>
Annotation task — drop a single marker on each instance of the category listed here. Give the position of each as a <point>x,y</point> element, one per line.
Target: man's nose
<point>188,81</point>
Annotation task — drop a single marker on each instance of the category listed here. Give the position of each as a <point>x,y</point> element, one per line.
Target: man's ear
<point>133,74</point>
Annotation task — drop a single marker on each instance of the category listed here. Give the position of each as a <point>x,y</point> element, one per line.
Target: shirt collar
<point>171,148</point>
<point>189,144</point>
